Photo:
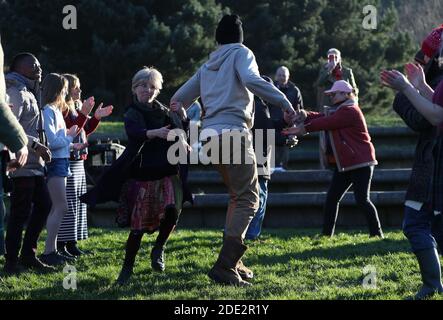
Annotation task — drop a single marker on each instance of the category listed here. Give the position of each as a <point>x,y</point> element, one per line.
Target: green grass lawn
<point>288,264</point>
<point>107,127</point>
<point>384,121</point>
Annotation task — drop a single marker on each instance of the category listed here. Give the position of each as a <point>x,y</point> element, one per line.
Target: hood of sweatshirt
<point>219,56</point>
<point>20,82</point>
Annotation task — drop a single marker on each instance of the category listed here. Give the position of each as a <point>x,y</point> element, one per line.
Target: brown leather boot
<point>224,270</point>
<point>244,272</point>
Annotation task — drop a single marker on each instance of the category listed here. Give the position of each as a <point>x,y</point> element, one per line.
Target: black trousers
<point>341,182</point>
<point>30,205</point>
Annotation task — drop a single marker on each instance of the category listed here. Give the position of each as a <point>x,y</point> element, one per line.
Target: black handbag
<point>135,163</point>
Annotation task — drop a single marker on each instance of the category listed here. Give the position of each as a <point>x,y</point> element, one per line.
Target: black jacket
<point>421,180</point>
<point>294,96</point>
<point>263,121</point>
<point>149,165</point>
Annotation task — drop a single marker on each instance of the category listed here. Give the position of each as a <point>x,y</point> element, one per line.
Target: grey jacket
<point>11,133</point>
<point>227,83</point>
<point>25,108</point>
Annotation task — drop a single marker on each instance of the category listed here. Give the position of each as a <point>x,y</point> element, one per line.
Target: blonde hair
<point>52,89</point>
<point>149,74</point>
<point>73,80</point>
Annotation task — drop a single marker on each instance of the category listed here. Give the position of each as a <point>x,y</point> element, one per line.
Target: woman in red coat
<point>348,148</point>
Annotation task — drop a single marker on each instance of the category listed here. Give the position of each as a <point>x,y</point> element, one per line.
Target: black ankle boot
<point>71,248</point>
<point>12,266</point>
<point>32,262</point>
<point>125,274</point>
<point>62,251</point>
<point>429,263</point>
<point>158,258</point>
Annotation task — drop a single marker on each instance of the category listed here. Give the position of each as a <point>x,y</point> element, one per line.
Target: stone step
<point>301,181</point>
<point>300,209</point>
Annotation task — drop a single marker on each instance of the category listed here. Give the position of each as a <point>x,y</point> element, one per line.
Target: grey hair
<point>284,69</point>
<point>149,74</point>
<point>334,51</point>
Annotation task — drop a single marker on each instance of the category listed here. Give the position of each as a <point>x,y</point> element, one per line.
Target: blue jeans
<point>58,167</point>
<point>423,229</point>
<point>254,228</point>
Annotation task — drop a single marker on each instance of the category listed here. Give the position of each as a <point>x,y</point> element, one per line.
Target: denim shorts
<point>59,167</point>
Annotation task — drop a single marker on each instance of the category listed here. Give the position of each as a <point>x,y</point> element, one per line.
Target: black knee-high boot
<point>132,247</point>
<point>167,225</point>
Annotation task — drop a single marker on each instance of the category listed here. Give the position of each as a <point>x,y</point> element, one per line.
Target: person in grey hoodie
<point>14,138</point>
<point>30,198</point>
<point>226,84</point>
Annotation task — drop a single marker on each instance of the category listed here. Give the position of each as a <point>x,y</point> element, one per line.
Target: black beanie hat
<point>229,30</point>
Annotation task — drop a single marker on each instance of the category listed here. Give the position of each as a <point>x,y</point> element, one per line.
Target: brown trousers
<point>241,179</point>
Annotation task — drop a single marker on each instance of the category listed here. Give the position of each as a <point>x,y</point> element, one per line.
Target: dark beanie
<point>229,30</point>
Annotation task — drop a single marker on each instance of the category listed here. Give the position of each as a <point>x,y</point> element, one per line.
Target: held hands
<point>289,116</point>
<point>177,107</point>
<point>301,116</point>
<point>297,131</point>
<point>395,79</point>
<point>103,112</point>
<point>296,118</point>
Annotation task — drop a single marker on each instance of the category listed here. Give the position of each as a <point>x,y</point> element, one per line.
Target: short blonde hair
<point>149,74</point>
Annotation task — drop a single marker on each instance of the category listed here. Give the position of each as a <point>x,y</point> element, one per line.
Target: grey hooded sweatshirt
<point>227,83</point>
<point>25,108</point>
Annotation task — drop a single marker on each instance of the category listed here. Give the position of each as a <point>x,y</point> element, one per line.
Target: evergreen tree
<point>114,38</point>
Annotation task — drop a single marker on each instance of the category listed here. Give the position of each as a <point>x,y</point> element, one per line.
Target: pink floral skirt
<point>143,203</point>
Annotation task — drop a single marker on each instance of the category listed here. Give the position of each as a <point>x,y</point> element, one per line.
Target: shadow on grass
<point>336,253</point>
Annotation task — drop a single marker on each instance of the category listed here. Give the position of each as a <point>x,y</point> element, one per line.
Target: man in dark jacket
<point>294,96</point>
<point>30,199</point>
<point>422,226</point>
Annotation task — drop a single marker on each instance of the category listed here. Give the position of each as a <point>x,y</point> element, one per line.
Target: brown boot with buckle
<point>224,270</point>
